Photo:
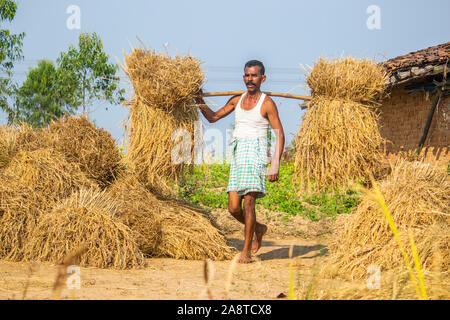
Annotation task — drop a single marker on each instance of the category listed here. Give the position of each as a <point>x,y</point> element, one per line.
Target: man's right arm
<point>212,116</point>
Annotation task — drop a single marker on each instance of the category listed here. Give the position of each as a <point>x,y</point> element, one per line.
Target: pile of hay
<point>187,234</point>
<point>48,174</point>
<point>339,140</point>
<point>32,183</point>
<point>93,149</point>
<point>20,138</point>
<point>86,219</point>
<point>164,90</point>
<point>166,228</point>
<point>418,197</point>
<point>137,208</point>
<point>20,208</point>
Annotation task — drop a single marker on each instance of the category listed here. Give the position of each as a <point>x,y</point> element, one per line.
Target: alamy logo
<point>374,20</point>
<point>374,280</point>
<point>74,280</point>
<point>74,20</point>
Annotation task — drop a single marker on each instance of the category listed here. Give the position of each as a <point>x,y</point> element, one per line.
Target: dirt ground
<point>164,278</point>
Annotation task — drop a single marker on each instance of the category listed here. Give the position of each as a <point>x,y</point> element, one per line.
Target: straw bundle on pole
<point>418,197</point>
<point>86,219</point>
<point>164,90</point>
<point>339,139</point>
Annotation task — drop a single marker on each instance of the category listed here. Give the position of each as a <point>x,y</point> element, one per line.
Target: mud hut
<point>416,115</point>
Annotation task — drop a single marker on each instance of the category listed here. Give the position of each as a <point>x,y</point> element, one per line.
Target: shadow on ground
<point>282,251</point>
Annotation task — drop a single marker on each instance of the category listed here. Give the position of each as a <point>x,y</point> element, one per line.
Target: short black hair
<point>253,63</point>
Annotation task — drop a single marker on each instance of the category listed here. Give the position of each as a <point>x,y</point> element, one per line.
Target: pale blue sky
<point>226,34</point>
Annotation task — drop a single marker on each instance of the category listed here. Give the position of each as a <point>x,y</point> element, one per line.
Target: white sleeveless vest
<point>250,123</point>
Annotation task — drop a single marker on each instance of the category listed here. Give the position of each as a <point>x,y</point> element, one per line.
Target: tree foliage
<point>88,64</point>
<point>46,94</point>
<point>10,51</point>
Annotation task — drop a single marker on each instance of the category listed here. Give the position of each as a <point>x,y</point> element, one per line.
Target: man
<point>253,113</point>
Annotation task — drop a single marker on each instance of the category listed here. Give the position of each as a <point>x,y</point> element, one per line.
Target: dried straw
<point>167,228</point>
<point>187,234</point>
<point>338,142</point>
<point>164,82</point>
<point>20,208</point>
<point>418,197</point>
<point>164,90</point>
<point>92,148</point>
<point>138,210</point>
<point>87,218</point>
<point>48,174</point>
<point>348,79</point>
<point>20,138</point>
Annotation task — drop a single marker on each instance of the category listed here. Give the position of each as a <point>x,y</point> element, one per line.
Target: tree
<point>88,64</point>
<point>46,94</point>
<point>10,51</point>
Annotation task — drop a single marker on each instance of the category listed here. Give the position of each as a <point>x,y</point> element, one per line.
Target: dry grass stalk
<point>87,218</point>
<point>92,148</point>
<point>418,197</point>
<point>338,142</point>
<point>362,81</point>
<point>164,89</point>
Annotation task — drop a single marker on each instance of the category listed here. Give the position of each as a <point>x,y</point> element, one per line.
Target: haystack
<point>20,138</point>
<point>166,228</point>
<point>339,139</point>
<point>187,234</point>
<point>92,148</point>
<point>164,90</point>
<point>20,208</point>
<point>418,197</point>
<point>138,210</point>
<point>86,219</point>
<point>48,174</point>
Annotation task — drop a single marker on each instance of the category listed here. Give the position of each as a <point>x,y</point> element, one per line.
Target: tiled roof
<point>432,55</point>
<point>418,64</point>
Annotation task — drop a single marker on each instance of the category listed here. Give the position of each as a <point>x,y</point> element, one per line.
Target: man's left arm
<point>274,120</point>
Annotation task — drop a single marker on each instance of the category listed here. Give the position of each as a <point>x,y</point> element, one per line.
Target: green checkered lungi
<point>248,166</point>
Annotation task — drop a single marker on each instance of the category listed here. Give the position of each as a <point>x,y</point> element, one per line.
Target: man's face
<point>253,78</point>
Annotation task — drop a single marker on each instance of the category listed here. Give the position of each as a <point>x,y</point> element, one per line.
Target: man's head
<point>254,75</point>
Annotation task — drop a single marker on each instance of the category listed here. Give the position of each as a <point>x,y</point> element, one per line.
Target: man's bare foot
<point>245,258</point>
<point>259,232</point>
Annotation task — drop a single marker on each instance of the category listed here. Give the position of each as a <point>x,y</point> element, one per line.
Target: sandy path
<point>173,279</point>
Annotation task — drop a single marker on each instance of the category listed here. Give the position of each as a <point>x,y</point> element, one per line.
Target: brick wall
<point>403,119</point>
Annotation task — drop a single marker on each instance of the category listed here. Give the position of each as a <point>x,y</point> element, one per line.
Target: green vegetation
<point>10,52</point>
<point>206,185</point>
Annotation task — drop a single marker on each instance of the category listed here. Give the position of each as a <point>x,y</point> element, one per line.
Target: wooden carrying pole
<point>275,94</point>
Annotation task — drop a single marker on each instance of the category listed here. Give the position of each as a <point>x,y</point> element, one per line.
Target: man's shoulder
<point>234,100</point>
<point>268,102</point>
